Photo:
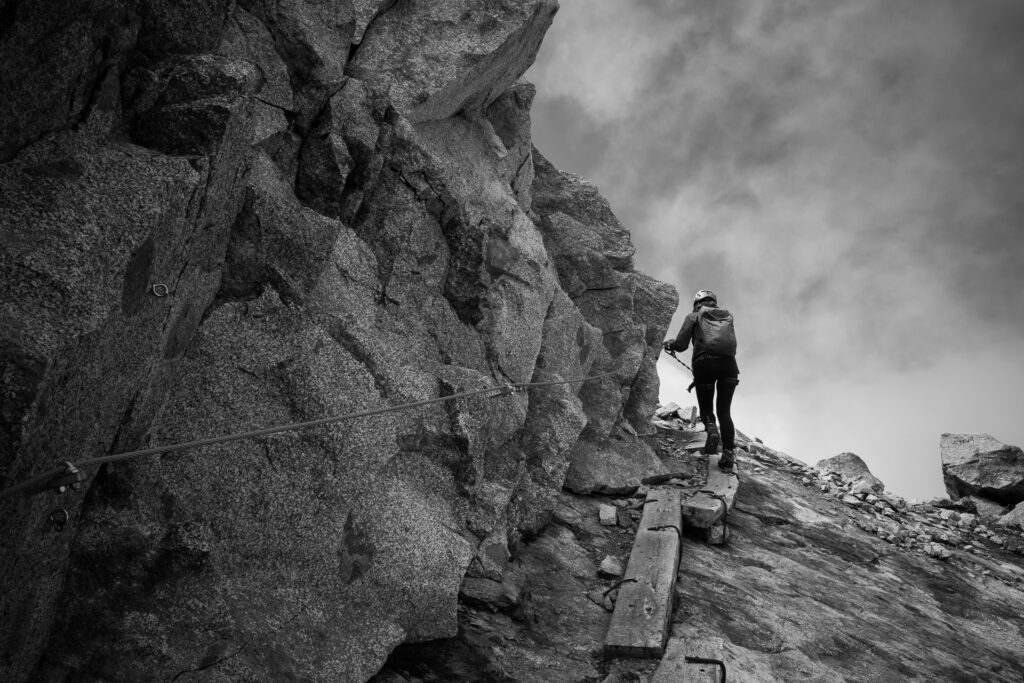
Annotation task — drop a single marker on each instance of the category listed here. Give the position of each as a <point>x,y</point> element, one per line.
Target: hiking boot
<point>711,445</point>
<point>727,461</point>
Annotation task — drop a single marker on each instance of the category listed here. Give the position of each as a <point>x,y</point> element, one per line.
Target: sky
<point>848,176</point>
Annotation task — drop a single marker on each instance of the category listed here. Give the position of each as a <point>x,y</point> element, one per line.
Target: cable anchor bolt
<point>63,478</point>
<point>58,519</point>
<point>506,390</point>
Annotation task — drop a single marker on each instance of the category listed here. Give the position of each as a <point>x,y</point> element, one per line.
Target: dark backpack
<point>716,331</point>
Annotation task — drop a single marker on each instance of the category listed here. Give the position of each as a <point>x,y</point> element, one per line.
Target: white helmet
<point>705,294</point>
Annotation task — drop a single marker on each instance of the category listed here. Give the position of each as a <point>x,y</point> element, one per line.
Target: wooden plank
<point>696,443</point>
<point>721,482</point>
<point>675,669</point>
<point>709,650</point>
<point>639,624</point>
<point>702,511</point>
<point>661,508</point>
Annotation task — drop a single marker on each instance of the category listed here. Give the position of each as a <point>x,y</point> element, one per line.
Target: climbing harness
<point>70,475</point>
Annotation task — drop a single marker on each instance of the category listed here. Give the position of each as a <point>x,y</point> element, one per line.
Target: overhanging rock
<point>978,464</point>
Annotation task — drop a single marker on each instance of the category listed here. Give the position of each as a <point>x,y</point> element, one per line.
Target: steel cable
<point>70,467</point>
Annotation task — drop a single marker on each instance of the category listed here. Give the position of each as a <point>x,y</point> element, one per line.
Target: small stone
<point>861,486</point>
<point>608,515</point>
<point>825,488</point>
<point>620,503</point>
<point>610,566</point>
<point>871,498</point>
<point>850,500</point>
<point>667,411</point>
<point>806,481</point>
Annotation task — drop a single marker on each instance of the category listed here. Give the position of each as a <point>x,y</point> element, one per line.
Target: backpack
<point>716,331</point>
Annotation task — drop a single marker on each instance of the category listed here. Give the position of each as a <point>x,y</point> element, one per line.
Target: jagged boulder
<point>593,256</point>
<point>611,466</point>
<point>1014,518</point>
<point>980,465</point>
<point>852,469</point>
<point>439,58</point>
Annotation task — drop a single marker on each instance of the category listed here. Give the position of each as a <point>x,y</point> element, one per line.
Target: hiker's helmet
<point>704,295</point>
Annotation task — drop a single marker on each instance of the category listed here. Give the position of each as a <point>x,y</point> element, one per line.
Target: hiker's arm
<point>682,340</point>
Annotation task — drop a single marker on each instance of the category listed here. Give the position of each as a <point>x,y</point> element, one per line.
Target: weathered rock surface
<point>806,588</point>
<point>611,466</point>
<point>1014,518</point>
<point>439,58</point>
<point>980,465</point>
<point>218,217</point>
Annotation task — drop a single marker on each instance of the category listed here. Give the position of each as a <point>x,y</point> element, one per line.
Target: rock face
<point>851,468</point>
<point>979,465</point>
<point>218,217</point>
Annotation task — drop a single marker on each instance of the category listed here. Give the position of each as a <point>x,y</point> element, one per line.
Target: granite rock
<point>214,222</point>
<point>980,465</point>
<point>852,470</point>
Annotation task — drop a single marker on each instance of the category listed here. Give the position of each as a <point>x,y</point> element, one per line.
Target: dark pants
<point>723,373</point>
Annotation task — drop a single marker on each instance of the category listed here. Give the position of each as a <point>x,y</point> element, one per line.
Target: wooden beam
<point>675,669</point>
<point>722,482</point>
<point>708,507</point>
<point>702,510</point>
<point>639,625</point>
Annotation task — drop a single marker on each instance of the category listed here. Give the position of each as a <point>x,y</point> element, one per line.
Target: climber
<point>714,363</point>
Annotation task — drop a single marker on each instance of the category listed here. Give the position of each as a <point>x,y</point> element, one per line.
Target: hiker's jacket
<point>690,331</point>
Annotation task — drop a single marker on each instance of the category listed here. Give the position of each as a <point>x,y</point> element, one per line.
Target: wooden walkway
<point>708,507</point>
<point>641,620</point>
<point>692,660</point>
<point>639,626</point>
